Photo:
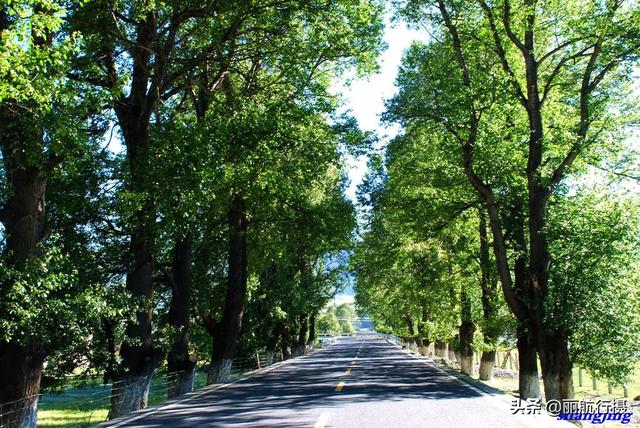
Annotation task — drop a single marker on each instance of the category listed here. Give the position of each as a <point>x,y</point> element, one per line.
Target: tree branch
<point>556,70</point>
<point>499,49</point>
<point>168,276</point>
<point>506,21</point>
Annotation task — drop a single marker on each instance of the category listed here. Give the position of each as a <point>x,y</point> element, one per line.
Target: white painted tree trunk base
<point>128,395</point>
<point>220,372</point>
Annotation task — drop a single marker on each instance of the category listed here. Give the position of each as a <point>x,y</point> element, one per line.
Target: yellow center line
<point>322,420</point>
<point>339,386</point>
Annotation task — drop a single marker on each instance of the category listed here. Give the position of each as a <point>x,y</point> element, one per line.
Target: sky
<point>365,97</point>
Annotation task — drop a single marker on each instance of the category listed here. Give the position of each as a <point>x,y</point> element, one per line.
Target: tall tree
<point>41,122</point>
<point>551,71</point>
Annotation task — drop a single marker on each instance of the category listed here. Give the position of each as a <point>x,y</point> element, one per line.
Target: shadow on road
<point>281,397</point>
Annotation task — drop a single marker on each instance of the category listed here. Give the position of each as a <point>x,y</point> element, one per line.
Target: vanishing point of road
<point>357,382</point>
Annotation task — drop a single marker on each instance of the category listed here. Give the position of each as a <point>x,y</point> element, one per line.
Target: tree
<point>43,118</point>
<point>592,271</point>
<point>345,313</point>
<point>549,72</point>
<point>328,323</point>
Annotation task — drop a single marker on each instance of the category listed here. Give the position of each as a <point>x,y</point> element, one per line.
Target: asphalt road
<point>356,382</point>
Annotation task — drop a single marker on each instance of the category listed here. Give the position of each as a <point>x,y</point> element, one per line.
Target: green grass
<point>82,406</point>
<point>71,418</point>
<point>74,406</point>
<point>585,391</point>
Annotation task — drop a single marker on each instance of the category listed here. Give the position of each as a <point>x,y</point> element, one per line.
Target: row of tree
<point>337,319</point>
<point>189,156</point>
<point>505,205</point>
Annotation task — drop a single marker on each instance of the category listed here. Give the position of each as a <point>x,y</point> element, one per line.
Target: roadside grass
<point>586,391</point>
<point>83,406</point>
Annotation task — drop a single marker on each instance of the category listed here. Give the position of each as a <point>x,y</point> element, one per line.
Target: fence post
<point>258,358</point>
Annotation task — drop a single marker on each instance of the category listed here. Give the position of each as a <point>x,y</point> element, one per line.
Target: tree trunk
<point>302,336</point>
<point>286,340</point>
<point>112,361</point>
<point>557,373</point>
<point>410,325</point>
<point>487,362</point>
<point>451,352</point>
<point>552,345</point>
<point>423,345</point>
<point>179,363</point>
<point>440,348</point>
<point>423,348</point>
<point>129,393</point>
<point>286,352</point>
<point>528,379</point>
<point>312,330</point>
<point>139,356</point>
<point>20,372</point>
<point>269,358</point>
<point>467,328</point>
<point>489,305</point>
<point>272,342</point>
<point>228,330</point>
<point>21,358</point>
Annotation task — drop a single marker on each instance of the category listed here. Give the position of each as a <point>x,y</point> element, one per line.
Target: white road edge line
<point>322,420</point>
<point>502,397</point>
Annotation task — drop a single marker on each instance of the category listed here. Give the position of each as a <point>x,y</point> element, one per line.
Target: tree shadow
<point>285,397</point>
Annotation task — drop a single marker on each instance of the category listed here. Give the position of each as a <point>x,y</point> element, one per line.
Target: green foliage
<point>44,300</point>
<point>32,70</point>
<point>594,274</point>
<point>337,319</point>
<point>328,323</point>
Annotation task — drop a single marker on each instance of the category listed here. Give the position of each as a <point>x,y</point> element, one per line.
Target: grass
<point>71,418</point>
<point>83,406</point>
<point>582,392</point>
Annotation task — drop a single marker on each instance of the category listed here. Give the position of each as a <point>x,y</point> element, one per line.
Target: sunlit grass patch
<point>71,418</point>
<point>87,405</point>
